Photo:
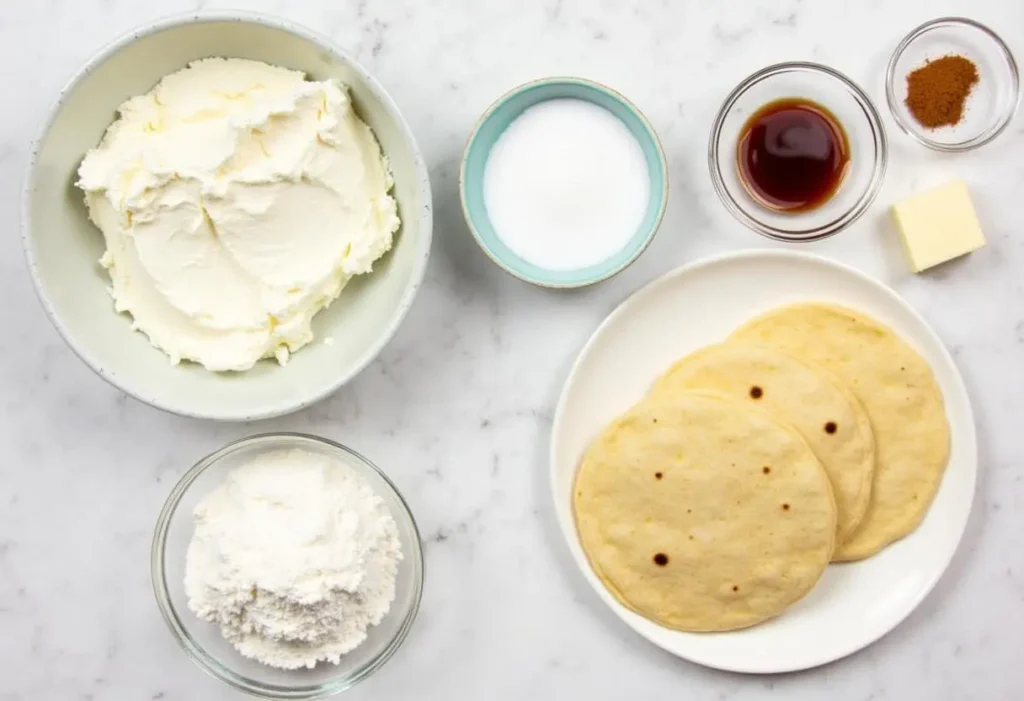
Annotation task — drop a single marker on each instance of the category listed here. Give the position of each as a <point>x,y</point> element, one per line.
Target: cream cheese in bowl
<point>236,200</point>
<point>62,244</point>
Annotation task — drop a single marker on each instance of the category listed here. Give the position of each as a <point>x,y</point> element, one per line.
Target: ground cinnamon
<point>938,90</point>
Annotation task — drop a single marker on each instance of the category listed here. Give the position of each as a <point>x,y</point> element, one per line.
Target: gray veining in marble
<point>457,409</point>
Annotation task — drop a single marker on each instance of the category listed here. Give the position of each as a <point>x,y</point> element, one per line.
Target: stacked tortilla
<point>812,434</point>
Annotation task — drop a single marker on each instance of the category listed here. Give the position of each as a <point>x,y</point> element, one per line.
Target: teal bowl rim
<point>662,196</point>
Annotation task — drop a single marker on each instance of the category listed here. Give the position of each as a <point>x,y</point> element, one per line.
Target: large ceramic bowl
<point>63,246</point>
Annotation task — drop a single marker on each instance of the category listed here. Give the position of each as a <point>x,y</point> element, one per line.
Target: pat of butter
<point>938,225</point>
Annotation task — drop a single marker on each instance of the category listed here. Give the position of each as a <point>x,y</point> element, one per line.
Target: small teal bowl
<point>491,126</point>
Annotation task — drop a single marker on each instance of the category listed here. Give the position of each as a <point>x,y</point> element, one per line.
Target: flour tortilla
<point>899,392</point>
<point>703,513</point>
<point>812,400</point>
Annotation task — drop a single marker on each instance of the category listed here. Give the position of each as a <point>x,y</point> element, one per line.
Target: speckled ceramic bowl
<point>491,126</point>
<point>63,246</point>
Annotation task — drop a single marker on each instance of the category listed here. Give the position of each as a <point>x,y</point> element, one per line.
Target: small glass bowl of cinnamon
<point>952,84</point>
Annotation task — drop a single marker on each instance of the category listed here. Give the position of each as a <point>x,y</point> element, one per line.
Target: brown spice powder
<point>938,90</point>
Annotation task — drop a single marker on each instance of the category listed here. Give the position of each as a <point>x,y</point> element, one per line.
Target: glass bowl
<point>203,641</point>
<point>853,109</point>
<point>990,105</point>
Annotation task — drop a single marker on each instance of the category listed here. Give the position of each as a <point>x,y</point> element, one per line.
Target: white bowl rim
<point>425,214</point>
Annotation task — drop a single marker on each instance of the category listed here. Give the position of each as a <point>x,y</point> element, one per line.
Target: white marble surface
<point>458,407</point>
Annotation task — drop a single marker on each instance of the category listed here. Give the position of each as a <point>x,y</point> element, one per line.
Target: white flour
<point>294,556</point>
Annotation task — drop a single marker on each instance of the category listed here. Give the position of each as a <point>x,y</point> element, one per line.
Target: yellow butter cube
<point>938,225</point>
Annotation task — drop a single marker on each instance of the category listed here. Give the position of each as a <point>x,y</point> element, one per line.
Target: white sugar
<point>566,185</point>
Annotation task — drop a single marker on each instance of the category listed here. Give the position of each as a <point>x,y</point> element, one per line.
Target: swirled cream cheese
<point>236,200</point>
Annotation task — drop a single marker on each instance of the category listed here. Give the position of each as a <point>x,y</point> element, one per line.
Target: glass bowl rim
<point>854,212</point>
<point>1003,120</point>
<point>207,662</point>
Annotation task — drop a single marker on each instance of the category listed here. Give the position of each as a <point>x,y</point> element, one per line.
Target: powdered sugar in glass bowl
<point>203,640</point>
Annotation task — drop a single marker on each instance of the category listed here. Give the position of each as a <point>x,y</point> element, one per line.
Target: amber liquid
<point>792,155</point>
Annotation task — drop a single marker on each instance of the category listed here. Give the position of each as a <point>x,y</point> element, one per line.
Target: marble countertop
<point>458,407</point>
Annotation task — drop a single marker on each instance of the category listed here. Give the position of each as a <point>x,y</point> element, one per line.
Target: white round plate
<point>854,604</point>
